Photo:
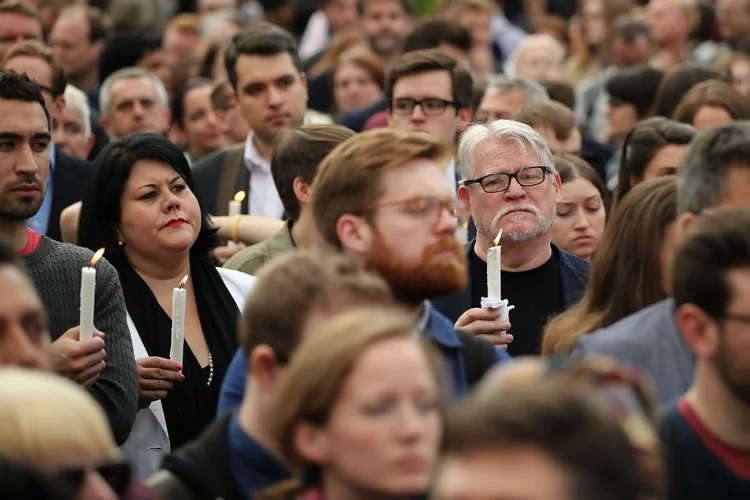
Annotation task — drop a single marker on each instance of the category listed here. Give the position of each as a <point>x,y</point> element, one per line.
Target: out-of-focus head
<point>78,38</point>
<point>74,130</point>
<point>555,441</point>
<point>538,57</point>
<point>224,104</point>
<point>555,122</point>
<point>125,50</point>
<point>182,36</point>
<point>631,98</point>
<point>677,82</point>
<point>504,96</point>
<point>24,333</point>
<point>133,101</point>
<point>19,20</point>
<point>51,423</point>
<point>385,24</point>
<point>711,103</point>
<point>377,390</point>
<point>358,79</point>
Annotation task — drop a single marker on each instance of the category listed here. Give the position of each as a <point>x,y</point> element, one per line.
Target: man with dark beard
<point>105,363</point>
<point>706,435</point>
<point>381,197</point>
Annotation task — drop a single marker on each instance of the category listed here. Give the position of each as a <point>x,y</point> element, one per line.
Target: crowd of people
<point>375,249</point>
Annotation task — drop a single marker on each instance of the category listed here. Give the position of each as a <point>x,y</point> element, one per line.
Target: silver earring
<point>120,243</point>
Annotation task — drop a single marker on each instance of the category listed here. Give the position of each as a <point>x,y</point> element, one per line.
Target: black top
<point>536,294</point>
<point>694,473</point>
<point>190,405</point>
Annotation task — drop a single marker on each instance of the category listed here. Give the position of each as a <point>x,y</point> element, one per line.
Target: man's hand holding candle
<point>79,360</point>
<point>486,323</point>
<point>156,377</point>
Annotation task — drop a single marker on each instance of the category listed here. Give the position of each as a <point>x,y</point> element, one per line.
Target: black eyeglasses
<point>497,183</point>
<point>431,106</point>
<point>116,475</point>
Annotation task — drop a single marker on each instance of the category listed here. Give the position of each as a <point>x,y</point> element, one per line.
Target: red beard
<point>442,270</point>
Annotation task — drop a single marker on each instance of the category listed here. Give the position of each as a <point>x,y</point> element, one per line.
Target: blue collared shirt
<point>254,468</point>
<point>40,221</point>
<point>432,325</point>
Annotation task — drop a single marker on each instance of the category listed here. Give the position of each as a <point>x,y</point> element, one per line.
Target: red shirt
<point>735,459</point>
<point>32,243</point>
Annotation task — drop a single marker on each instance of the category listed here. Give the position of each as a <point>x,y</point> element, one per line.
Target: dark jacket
<point>357,118</point>
<point>200,470</point>
<point>218,176</point>
<point>69,181</point>
<point>574,273</point>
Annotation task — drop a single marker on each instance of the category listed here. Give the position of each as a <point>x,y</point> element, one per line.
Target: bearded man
<point>382,197</point>
<point>510,184</point>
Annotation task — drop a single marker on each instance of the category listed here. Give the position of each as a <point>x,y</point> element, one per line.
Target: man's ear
<point>90,144</point>
<point>698,329</point>
<point>263,366</point>
<point>558,187</point>
<point>465,115</point>
<point>59,105</point>
<point>301,190</point>
<point>104,122</point>
<point>463,195</point>
<point>354,233</point>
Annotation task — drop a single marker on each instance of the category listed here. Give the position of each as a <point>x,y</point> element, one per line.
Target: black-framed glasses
<point>431,106</point>
<point>497,183</point>
<point>428,208</point>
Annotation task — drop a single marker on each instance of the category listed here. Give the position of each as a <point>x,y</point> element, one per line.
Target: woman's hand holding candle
<point>156,376</point>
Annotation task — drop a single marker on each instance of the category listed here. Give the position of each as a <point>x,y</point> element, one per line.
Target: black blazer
<point>69,181</point>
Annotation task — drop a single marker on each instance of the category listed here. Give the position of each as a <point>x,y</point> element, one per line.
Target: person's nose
<point>446,222</point>
<point>411,422</point>
<point>26,165</point>
<point>417,114</point>
<point>20,350</point>
<point>274,97</point>
<point>582,222</point>
<point>515,191</point>
<point>171,203</point>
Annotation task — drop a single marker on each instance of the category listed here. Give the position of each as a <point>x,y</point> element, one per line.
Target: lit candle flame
<point>496,241</point>
<point>96,257</point>
<point>239,196</point>
<point>184,281</point>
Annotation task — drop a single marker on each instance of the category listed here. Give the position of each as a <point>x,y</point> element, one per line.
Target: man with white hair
<point>133,100</point>
<point>74,134</point>
<point>510,184</point>
<point>505,95</point>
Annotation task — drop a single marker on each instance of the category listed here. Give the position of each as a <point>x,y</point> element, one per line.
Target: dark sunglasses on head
<point>117,476</point>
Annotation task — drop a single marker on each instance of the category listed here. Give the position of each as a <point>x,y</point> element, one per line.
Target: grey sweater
<point>55,269</point>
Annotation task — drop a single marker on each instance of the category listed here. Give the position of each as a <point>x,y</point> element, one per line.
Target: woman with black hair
<point>141,208</point>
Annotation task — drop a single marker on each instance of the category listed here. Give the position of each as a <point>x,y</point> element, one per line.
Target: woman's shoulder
<point>238,283</point>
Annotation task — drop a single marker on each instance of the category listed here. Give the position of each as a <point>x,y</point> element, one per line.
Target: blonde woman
<point>363,382</point>
<point>52,424</point>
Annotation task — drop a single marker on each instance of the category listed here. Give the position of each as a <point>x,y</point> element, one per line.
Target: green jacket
<point>252,258</point>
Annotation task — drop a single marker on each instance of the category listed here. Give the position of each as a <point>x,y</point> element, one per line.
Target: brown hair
<point>297,153</point>
<point>564,421</point>
<point>35,48</point>
<point>626,270</point>
<point>548,113</point>
<point>712,93</point>
<point>642,144</point>
<point>422,61</point>
<point>451,9</point>
<point>342,42</point>
<point>21,7</point>
<point>222,95</point>
<point>677,82</point>
<point>572,167</point>
<point>348,180</point>
<point>294,284</point>
<point>99,23</point>
<point>185,23</point>
<point>312,382</point>
<point>365,59</point>
<point>581,54</point>
<point>561,92</point>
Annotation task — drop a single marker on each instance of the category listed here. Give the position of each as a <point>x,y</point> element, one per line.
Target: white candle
<point>493,270</point>
<point>88,295</point>
<point>235,209</point>
<point>179,302</point>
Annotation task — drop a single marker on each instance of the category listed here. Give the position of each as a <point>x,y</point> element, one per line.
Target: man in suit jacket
<point>68,176</point>
<point>265,70</point>
<point>510,184</point>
